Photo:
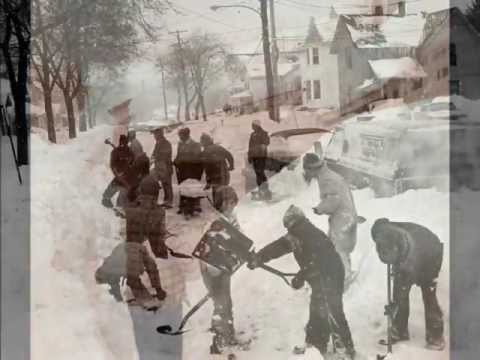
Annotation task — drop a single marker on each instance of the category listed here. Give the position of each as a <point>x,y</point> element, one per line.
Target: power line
<point>207,17</point>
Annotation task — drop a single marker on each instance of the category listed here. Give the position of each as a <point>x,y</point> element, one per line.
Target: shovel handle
<point>284,276</point>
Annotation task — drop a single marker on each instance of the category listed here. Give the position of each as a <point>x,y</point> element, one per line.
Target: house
<point>365,45</point>
<point>448,53</point>
<point>319,68</point>
<point>289,82</point>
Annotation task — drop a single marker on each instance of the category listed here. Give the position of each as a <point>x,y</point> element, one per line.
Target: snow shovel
<point>167,329</point>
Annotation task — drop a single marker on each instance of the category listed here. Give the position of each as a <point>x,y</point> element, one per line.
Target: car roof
<point>299,131</point>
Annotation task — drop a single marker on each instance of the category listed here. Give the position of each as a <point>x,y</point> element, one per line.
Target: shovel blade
<point>164,329</point>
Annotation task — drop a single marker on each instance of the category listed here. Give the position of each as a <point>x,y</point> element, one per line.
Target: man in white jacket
<point>336,201</point>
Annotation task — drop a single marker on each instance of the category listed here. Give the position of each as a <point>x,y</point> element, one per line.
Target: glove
<point>254,262</point>
<point>298,282</point>
<point>160,294</point>
<point>317,211</point>
<point>207,187</point>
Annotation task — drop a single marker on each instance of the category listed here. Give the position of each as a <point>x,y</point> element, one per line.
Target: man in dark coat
<point>416,255</point>
<point>134,144</point>
<point>188,162</point>
<point>163,166</point>
<point>121,159</point>
<point>130,260</point>
<point>320,266</point>
<point>136,173</point>
<point>257,157</point>
<point>217,162</point>
<point>146,219</point>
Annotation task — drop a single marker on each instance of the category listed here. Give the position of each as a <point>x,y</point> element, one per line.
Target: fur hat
<point>312,161</point>
<point>292,215</point>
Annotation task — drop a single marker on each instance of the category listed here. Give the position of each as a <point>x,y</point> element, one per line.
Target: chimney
<point>402,8</point>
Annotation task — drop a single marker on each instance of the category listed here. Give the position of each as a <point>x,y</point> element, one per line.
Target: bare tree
<point>205,57</point>
<point>15,43</point>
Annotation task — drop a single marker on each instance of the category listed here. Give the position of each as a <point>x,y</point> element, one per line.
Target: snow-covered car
<point>394,156</point>
<point>445,108</point>
<point>285,149</point>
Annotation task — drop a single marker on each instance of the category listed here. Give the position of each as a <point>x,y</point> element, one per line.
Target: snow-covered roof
<point>256,70</point>
<point>386,31</point>
<point>404,68</point>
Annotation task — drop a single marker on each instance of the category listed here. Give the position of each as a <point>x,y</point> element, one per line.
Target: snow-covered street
<point>71,233</point>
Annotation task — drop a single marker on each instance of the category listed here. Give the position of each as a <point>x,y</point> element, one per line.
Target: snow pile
<point>74,318</point>
<point>401,68</point>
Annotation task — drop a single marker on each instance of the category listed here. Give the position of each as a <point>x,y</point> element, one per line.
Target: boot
<point>436,344</point>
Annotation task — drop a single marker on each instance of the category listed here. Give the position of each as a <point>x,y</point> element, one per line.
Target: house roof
<point>401,68</point>
<point>256,70</point>
<point>385,31</point>
<point>326,27</point>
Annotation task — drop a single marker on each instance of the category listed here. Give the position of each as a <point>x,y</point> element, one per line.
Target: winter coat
<point>120,160</point>
<point>189,160</point>
<point>421,251</point>
<point>136,173</point>
<point>136,147</point>
<point>217,162</point>
<point>312,250</point>
<point>162,158</point>
<point>146,221</point>
<point>257,146</point>
<point>336,200</point>
<point>129,260</point>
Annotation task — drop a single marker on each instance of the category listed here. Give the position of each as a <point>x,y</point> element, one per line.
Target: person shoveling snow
<point>320,266</point>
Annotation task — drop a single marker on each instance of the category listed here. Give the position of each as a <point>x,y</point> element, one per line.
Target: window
<point>445,72</point>
<point>348,58</point>
<point>453,54</point>
<point>308,56</point>
<point>455,87</point>
<point>417,84</point>
<point>378,10</point>
<point>308,88</point>
<point>315,56</point>
<point>317,92</point>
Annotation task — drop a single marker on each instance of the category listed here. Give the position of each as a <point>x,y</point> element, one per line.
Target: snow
<point>387,31</point>
<point>401,68</point>
<point>74,318</point>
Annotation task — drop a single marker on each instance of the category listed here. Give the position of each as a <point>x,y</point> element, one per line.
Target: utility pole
<point>184,77</point>
<point>164,93</point>
<point>267,59</point>
<point>275,55</point>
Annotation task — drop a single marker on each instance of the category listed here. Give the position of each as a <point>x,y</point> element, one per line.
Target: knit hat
<point>206,139</point>
<point>312,161</point>
<point>149,186</point>
<point>257,122</point>
<point>377,227</point>
<point>292,215</point>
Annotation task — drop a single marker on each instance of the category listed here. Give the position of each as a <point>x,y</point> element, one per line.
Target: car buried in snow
<point>392,156</point>
<point>285,150</point>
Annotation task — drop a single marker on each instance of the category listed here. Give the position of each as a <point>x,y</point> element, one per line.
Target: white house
<point>319,68</point>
